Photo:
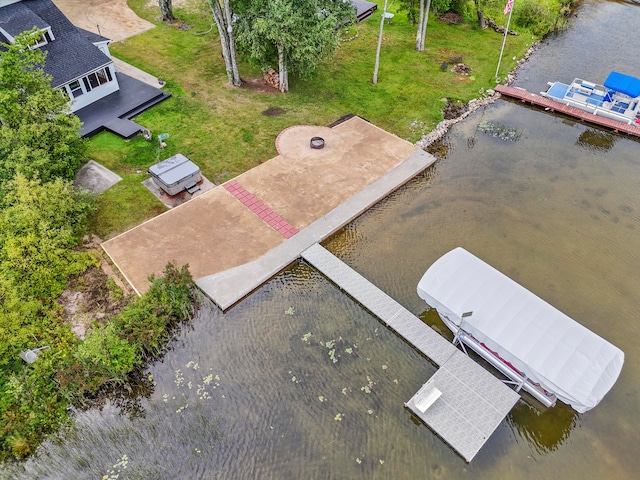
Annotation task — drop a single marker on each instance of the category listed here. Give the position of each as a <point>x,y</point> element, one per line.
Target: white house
<point>78,61</point>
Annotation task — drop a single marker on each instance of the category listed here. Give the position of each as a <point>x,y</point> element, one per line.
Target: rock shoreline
<point>488,98</point>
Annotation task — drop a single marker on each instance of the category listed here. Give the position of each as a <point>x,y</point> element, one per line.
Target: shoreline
<point>443,127</point>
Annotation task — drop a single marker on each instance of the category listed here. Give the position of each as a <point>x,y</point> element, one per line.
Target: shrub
<point>538,18</point>
<point>35,398</point>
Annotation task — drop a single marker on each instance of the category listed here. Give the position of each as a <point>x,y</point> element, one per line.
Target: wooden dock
<point>554,106</point>
<point>462,403</point>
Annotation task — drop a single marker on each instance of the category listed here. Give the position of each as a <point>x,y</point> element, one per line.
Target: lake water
<point>298,381</point>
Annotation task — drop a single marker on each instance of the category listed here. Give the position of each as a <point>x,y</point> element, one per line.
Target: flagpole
<point>504,40</point>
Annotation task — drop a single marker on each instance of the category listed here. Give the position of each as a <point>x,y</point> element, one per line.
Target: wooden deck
<point>554,106</point>
<point>462,402</point>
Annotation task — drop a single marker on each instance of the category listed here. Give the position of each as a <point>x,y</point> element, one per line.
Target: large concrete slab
<point>212,232</point>
<point>228,287</point>
<point>317,191</point>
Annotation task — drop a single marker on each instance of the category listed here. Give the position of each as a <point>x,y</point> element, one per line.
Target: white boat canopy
<point>564,357</point>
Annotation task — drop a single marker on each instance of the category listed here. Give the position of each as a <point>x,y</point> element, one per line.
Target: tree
<point>410,7</point>
<point>300,34</point>
<point>166,9</point>
<point>479,4</point>
<point>377,64</point>
<point>223,17</point>
<point>39,137</point>
<point>40,226</point>
<point>422,25</point>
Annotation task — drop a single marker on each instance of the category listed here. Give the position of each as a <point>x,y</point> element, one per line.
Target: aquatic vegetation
<point>179,378</point>
<point>192,364</point>
<point>368,388</point>
<point>209,381</point>
<point>114,472</point>
<point>306,337</point>
<point>499,131</point>
<point>289,311</point>
<point>321,399</point>
<point>332,355</point>
<point>338,417</point>
<point>179,381</point>
<point>294,379</point>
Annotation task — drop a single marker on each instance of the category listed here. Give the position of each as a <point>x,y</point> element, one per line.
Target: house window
<point>75,88</point>
<point>98,78</point>
<point>41,38</point>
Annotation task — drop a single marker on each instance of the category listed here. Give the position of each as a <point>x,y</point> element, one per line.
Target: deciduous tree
<point>39,137</point>
<point>166,9</point>
<point>224,19</point>
<point>299,34</point>
<point>40,226</point>
<point>422,24</point>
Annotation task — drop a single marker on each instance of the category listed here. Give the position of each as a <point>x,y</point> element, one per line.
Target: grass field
<point>224,129</point>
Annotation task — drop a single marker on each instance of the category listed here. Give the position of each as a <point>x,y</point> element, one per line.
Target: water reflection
<point>545,428</point>
<point>598,140</point>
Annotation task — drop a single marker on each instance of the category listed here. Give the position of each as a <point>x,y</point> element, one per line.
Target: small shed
<point>176,174</point>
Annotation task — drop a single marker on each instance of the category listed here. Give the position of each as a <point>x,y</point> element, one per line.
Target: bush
<point>538,18</point>
<point>105,354</point>
<point>35,398</point>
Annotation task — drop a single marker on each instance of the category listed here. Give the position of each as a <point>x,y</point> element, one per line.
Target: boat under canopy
<point>521,330</point>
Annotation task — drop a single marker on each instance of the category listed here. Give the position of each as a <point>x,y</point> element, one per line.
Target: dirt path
<point>110,18</point>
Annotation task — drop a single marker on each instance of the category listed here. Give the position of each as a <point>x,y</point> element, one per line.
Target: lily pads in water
<point>500,131</point>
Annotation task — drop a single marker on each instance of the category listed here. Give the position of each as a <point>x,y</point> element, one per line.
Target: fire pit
<point>317,142</point>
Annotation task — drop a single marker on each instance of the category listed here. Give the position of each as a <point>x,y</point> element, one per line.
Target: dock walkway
<point>462,403</point>
<point>552,105</point>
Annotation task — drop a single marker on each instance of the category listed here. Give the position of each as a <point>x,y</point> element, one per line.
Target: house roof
<point>17,17</point>
<point>93,37</point>
<point>71,54</point>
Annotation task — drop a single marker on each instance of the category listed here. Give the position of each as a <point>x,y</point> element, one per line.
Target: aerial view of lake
<point>300,382</point>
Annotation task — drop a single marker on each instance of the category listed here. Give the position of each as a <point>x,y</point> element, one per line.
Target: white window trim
<point>85,78</point>
<point>43,34</point>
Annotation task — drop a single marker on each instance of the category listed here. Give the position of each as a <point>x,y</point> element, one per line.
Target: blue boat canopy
<point>623,83</point>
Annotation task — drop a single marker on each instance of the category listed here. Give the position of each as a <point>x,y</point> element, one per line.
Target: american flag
<point>508,7</point>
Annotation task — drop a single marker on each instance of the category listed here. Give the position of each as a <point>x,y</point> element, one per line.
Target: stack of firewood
<point>272,78</point>
<point>461,69</point>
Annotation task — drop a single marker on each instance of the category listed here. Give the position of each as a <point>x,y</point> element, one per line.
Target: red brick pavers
<point>256,205</point>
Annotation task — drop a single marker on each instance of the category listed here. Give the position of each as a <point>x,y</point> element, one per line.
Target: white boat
<point>618,98</point>
<point>537,347</point>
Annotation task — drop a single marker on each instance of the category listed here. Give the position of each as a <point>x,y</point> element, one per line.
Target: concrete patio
<point>233,242</point>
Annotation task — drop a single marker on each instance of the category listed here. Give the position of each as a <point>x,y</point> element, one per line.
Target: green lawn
<point>223,129</point>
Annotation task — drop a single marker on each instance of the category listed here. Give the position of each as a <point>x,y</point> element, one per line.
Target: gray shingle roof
<point>93,37</point>
<point>71,53</point>
<point>17,17</point>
